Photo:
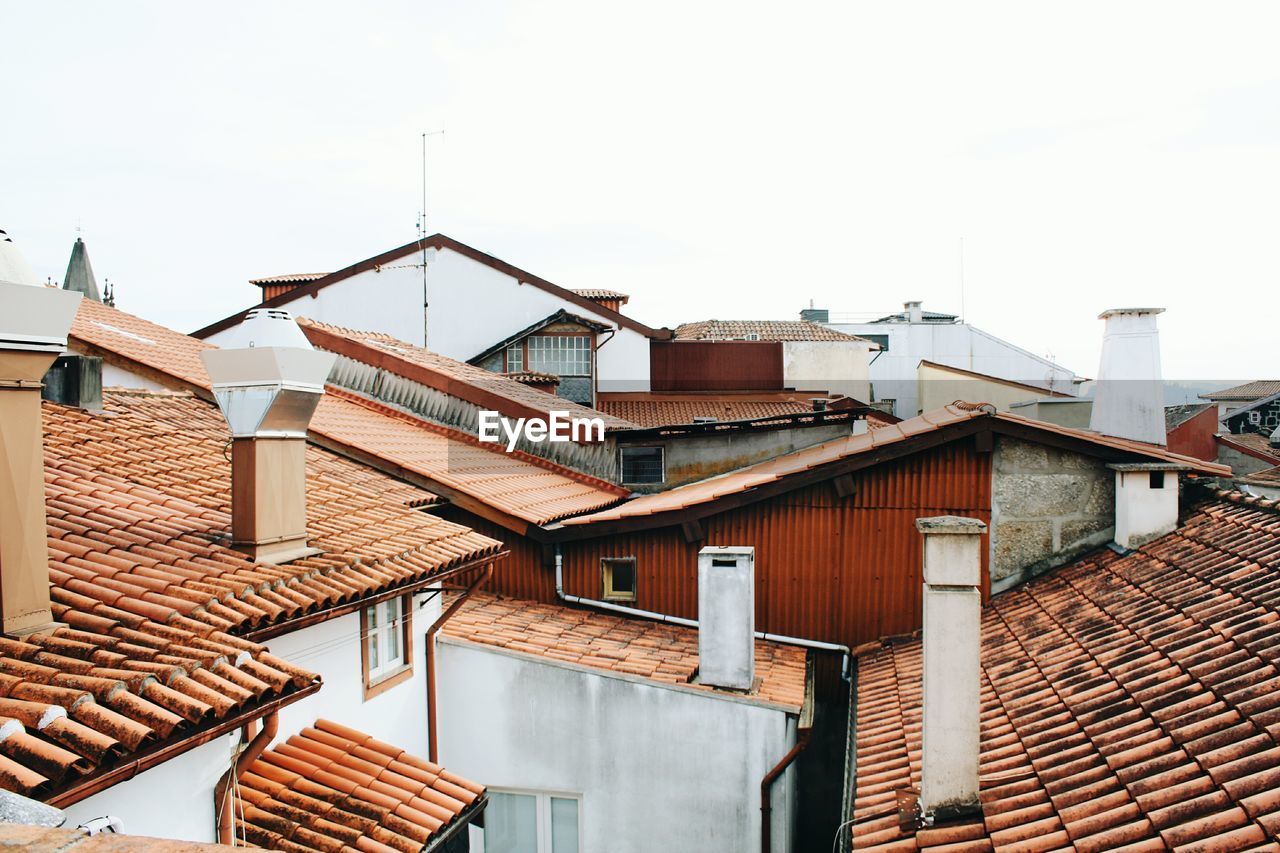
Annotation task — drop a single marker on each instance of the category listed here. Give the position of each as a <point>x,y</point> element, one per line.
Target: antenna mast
<point>422,228</point>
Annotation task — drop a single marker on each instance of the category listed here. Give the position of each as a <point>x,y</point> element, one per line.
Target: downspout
<point>845,653</point>
<point>804,728</point>
<point>432,749</point>
<point>595,366</point>
<point>256,745</point>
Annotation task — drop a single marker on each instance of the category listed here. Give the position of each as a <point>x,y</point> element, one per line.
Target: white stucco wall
<point>836,366</point>
<point>115,377</point>
<point>397,715</point>
<point>471,307</point>
<point>173,800</point>
<point>1144,513</point>
<point>658,768</point>
<point>893,373</point>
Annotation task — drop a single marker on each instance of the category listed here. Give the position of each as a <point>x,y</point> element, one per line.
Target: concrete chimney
<point>268,387</point>
<point>34,321</point>
<point>1146,501</point>
<point>727,616</point>
<point>952,638</point>
<point>914,311</point>
<point>1129,402</point>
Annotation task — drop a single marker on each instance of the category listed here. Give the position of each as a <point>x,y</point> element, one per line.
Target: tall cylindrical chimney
<point>268,388</point>
<point>1129,401</point>
<point>34,321</point>
<point>952,638</point>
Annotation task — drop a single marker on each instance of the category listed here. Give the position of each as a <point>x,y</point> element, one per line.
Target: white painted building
<point>915,335</point>
<point>466,302</point>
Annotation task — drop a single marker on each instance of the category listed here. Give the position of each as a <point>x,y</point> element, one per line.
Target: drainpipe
<point>845,653</point>
<point>256,745</point>
<point>766,786</point>
<point>432,750</point>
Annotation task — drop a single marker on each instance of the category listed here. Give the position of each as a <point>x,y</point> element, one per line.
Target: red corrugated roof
<point>1125,701</point>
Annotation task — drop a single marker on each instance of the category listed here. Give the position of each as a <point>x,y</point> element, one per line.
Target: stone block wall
<point>1048,506</point>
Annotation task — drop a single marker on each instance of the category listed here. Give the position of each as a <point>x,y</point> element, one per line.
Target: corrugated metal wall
<point>839,570</point>
<point>715,366</point>
<point>521,574</point>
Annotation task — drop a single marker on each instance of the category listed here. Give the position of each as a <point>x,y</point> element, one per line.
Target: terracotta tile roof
<point>533,377</point>
<point>659,412</point>
<point>334,788</point>
<point>632,646</point>
<point>151,599</point>
<point>466,381</point>
<point>435,453</point>
<point>1265,477</point>
<point>1253,443</point>
<point>1125,701</point>
<point>801,461</point>
<point>594,293</point>
<point>517,484</point>
<point>289,278</point>
<point>1248,391</point>
<point>766,330</point>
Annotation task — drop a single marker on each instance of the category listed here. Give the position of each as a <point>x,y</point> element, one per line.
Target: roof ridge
<point>1236,496</point>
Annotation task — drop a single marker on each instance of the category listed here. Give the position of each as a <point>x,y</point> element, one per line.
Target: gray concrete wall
<point>1048,506</point>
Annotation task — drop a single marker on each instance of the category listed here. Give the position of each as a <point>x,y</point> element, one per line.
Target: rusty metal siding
<point>521,574</point>
<point>715,366</point>
<point>827,568</point>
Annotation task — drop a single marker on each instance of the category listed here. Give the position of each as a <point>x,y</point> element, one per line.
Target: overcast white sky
<point>713,160</point>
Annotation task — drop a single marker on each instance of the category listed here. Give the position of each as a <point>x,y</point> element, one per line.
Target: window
<point>515,357</point>
<point>387,647</point>
<point>642,465</point>
<point>563,355</point>
<point>1157,480</point>
<point>1255,417</point>
<point>517,822</point>
<point>882,340</point>
<point>618,575</point>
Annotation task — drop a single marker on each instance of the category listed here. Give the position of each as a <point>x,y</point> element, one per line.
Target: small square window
<point>618,575</point>
<point>1255,417</point>
<point>515,358</point>
<point>1157,479</point>
<point>641,465</point>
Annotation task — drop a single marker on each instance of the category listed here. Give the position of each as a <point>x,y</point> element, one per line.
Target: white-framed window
<point>532,822</point>
<point>515,357</point>
<point>386,650</point>
<point>563,355</point>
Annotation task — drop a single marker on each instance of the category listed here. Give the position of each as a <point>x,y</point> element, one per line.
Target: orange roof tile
<point>1255,390</point>
<point>1125,700</point>
<point>620,644</point>
<point>516,484</point>
<point>665,412</point>
<point>150,598</point>
<point>1253,443</point>
<point>332,787</point>
<point>764,330</point>
<point>884,435</point>
<point>537,491</point>
<point>457,378</point>
<point>1265,477</point>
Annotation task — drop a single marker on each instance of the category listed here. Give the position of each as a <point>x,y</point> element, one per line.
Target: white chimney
<point>914,312</point>
<point>1129,401</point>
<point>34,322</point>
<point>727,616</point>
<point>268,388</point>
<point>952,639</point>
<point>1146,501</point>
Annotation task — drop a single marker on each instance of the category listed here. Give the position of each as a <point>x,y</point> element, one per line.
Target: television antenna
<point>422,227</point>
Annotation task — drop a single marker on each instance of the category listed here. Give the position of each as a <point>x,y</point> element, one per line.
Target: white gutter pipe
<point>845,653</point>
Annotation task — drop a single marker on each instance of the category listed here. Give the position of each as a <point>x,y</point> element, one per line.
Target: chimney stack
<point>1129,402</point>
<point>952,638</point>
<point>727,616</point>
<point>268,388</point>
<point>34,321</point>
<point>915,314</point>
<point>1146,501</point>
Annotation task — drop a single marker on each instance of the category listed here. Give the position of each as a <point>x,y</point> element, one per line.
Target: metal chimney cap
<point>1113,311</point>
<point>268,327</point>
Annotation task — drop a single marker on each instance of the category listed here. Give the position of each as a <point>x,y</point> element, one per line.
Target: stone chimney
<point>34,321</point>
<point>913,311</point>
<point>1129,401</point>
<point>727,616</point>
<point>952,637</point>
<point>268,387</point>
<point>1146,501</point>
